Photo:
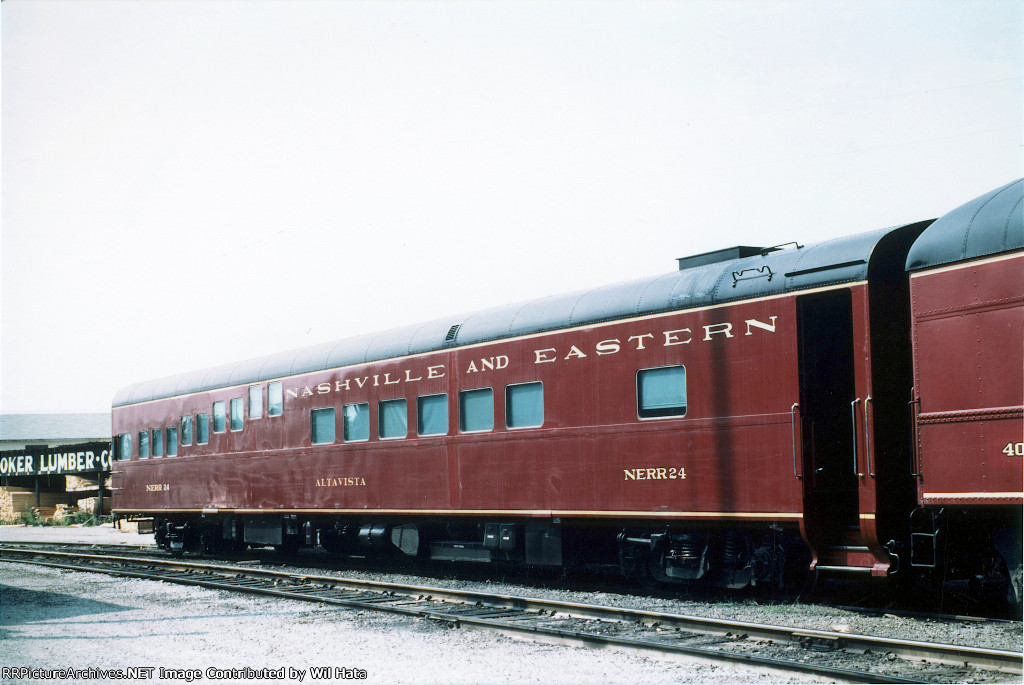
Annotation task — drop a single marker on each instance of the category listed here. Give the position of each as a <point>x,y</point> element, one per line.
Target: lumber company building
<point>54,464</point>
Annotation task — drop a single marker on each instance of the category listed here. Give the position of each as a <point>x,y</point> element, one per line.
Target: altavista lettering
<point>340,482</point>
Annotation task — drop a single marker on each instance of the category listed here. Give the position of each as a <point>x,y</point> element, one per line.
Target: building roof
<point>988,225</point>
<point>54,427</point>
<point>770,271</point>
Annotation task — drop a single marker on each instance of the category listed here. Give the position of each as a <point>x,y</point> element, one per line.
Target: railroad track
<point>841,657</point>
<point>327,563</point>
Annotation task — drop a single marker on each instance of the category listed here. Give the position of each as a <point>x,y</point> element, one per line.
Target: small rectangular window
<point>321,425</point>
<point>255,401</point>
<point>661,392</point>
<point>143,444</point>
<point>124,446</point>
<point>524,405</point>
<point>172,442</point>
<point>202,429</point>
<point>237,412</point>
<point>357,422</point>
<point>275,399</point>
<point>392,419</point>
<point>476,410</point>
<point>432,415</point>
<point>158,442</point>
<point>186,430</point>
<point>219,416</point>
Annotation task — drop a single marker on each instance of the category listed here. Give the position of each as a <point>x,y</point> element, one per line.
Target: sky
<point>187,184</point>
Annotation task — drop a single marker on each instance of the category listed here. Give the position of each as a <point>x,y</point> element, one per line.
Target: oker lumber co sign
<point>87,457</point>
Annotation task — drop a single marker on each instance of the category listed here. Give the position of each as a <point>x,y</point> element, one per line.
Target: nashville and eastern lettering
<point>637,343</point>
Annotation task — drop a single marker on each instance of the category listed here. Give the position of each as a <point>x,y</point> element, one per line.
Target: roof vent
<point>726,255</point>
<point>452,332</point>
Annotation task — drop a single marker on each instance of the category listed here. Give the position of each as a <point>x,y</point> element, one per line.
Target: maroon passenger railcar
<point>720,423</point>
<point>967,308</point>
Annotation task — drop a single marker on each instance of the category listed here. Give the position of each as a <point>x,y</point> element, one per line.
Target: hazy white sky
<point>191,183</point>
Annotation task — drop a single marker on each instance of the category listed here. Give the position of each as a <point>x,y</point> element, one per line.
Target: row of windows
<point>524,408</point>
<point>660,391</point>
<point>226,414</point>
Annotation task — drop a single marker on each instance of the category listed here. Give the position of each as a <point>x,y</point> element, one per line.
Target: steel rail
<point>500,612</point>
<point>249,557</point>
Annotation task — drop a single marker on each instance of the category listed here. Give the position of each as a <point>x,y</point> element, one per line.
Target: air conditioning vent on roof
<point>726,255</point>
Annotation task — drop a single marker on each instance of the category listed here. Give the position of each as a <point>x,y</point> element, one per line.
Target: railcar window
<point>661,392</point>
<point>143,444</point>
<point>255,401</point>
<point>392,419</point>
<point>186,430</point>
<point>321,425</point>
<point>172,442</point>
<point>524,405</point>
<point>124,446</point>
<point>275,399</point>
<point>476,410</point>
<point>357,422</point>
<point>158,442</point>
<point>219,417</point>
<point>432,414</point>
<point>202,428</point>
<point>237,411</point>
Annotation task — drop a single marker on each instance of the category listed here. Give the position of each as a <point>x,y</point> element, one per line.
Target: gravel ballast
<point>394,649</point>
<point>53,619</point>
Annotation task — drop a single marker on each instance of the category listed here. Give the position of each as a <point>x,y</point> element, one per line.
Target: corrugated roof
<point>987,225</point>
<point>772,272</point>
<point>52,427</point>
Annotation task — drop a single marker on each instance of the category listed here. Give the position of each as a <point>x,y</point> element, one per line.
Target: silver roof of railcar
<point>772,272</point>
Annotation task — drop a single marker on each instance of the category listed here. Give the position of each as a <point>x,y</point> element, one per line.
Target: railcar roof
<point>987,225</point>
<point>772,272</point>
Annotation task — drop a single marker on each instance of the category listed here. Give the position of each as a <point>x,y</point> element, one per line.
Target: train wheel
<point>208,540</point>
<point>236,546</point>
<point>333,544</point>
<point>290,545</point>
<point>648,572</point>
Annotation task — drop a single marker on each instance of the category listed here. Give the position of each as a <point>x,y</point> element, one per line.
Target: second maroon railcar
<point>967,295</point>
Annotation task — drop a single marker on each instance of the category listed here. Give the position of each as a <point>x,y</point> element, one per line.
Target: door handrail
<point>915,469</point>
<point>853,421</point>
<point>792,428</point>
<point>867,436</point>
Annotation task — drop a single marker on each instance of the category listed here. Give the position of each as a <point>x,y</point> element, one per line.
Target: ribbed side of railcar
<point>967,294</point>
<point>967,297</point>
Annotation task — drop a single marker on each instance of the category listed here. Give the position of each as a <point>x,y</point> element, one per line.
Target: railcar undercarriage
<point>945,545</point>
<point>728,558</point>
<point>969,544</point>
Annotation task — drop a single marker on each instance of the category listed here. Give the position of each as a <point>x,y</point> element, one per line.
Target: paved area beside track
<point>105,534</point>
